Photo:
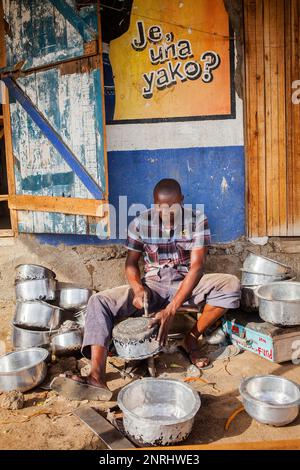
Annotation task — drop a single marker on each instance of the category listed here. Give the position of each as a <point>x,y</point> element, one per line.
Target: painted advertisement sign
<point>174,63</point>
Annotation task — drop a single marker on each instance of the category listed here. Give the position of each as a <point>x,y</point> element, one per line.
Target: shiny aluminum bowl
<point>279,303</point>
<point>67,344</point>
<point>262,265</point>
<point>158,411</point>
<point>72,297</point>
<point>28,272</point>
<point>22,370</point>
<point>270,399</point>
<point>38,289</point>
<point>38,315</point>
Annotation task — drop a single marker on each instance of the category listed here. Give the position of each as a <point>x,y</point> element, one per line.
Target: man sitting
<point>173,241</point>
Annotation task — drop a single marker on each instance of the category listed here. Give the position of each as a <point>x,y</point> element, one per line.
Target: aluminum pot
<point>38,289</point>
<point>262,265</point>
<point>133,339</point>
<point>38,315</point>
<point>26,272</point>
<point>158,412</point>
<point>65,344</point>
<point>255,279</point>
<point>72,297</point>
<point>22,370</point>
<point>249,299</point>
<point>270,399</point>
<point>23,338</point>
<point>279,303</point>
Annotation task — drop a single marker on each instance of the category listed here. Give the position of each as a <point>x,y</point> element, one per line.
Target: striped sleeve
<point>134,240</point>
<point>201,235</point>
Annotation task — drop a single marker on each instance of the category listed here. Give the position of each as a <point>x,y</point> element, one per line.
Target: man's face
<point>169,207</point>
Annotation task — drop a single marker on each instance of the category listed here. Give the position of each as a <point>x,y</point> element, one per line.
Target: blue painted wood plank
<point>85,31</point>
<point>41,35</point>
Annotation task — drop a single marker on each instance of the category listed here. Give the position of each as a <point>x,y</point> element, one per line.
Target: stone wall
<point>103,267</point>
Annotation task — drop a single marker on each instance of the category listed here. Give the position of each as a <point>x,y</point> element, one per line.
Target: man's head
<point>168,199</point>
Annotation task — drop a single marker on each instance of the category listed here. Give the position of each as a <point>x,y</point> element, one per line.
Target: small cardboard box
<point>274,343</point>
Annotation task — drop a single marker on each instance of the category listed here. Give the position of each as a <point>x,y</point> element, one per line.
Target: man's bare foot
<point>89,380</point>
<point>191,346</point>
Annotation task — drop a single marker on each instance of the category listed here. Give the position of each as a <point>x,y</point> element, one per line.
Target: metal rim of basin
<point>44,354</point>
<point>246,395</point>
<point>52,273</point>
<point>169,422</point>
<point>287,268</point>
<point>260,296</point>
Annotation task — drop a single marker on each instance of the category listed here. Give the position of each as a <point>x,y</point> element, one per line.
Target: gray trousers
<point>112,305</point>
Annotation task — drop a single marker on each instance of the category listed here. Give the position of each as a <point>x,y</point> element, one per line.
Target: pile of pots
<point>258,271</point>
<point>43,307</point>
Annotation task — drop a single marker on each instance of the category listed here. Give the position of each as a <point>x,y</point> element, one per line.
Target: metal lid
<point>134,328</point>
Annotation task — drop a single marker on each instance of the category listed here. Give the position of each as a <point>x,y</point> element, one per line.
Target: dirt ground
<point>46,421</point>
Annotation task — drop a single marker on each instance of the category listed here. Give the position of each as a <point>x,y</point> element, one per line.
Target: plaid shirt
<point>168,248</point>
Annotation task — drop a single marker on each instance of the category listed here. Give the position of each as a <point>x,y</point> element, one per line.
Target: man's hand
<point>138,299</point>
<point>163,318</point>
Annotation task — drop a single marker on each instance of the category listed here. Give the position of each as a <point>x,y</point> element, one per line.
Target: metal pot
<point>72,297</point>
<point>23,338</point>
<point>256,279</point>
<point>262,265</point>
<point>249,299</point>
<point>158,411</point>
<point>38,315</point>
<point>22,370</point>
<point>270,399</point>
<point>64,344</point>
<point>133,339</point>
<point>279,303</point>
<point>26,272</point>
<point>38,289</point>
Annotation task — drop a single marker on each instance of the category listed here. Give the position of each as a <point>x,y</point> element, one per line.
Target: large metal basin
<point>23,338</point>
<point>158,411</point>
<point>33,271</point>
<point>262,265</point>
<point>255,279</point>
<point>38,315</point>
<point>22,370</point>
<point>279,303</point>
<point>73,297</point>
<point>270,399</point>
<point>38,289</point>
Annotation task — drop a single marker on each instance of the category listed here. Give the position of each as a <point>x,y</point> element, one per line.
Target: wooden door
<point>54,77</point>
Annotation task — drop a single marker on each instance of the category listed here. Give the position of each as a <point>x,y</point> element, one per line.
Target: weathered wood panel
<point>41,34</point>
<point>69,96</point>
<point>292,8</point>
<point>272,63</point>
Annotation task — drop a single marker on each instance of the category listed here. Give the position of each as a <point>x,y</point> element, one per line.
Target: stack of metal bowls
<point>43,305</point>
<point>35,319</point>
<point>257,271</point>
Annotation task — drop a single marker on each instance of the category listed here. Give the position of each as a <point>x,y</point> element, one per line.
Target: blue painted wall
<point>201,172</point>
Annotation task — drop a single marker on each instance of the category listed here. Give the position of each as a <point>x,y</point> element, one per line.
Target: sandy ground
<point>46,421</point>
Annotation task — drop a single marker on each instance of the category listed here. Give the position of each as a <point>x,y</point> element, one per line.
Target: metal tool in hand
<point>146,305</point>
